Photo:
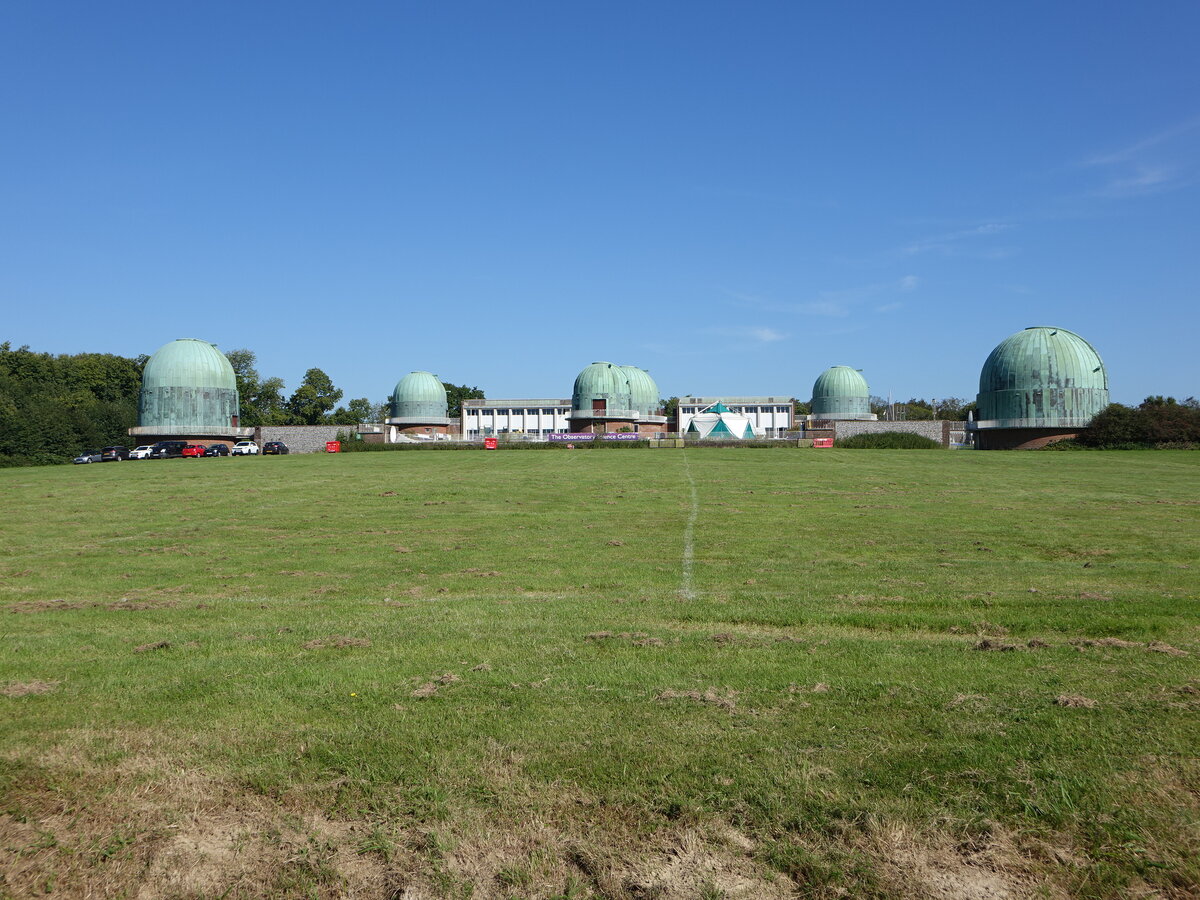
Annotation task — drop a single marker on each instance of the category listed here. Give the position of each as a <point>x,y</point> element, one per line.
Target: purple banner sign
<point>574,438</point>
<point>621,436</point>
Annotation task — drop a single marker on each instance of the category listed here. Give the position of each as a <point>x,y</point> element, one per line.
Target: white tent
<point>718,422</point>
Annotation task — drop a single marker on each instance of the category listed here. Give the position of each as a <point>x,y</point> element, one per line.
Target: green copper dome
<point>602,381</point>
<point>1042,378</point>
<point>841,392</point>
<point>643,392</point>
<point>419,395</point>
<point>188,386</point>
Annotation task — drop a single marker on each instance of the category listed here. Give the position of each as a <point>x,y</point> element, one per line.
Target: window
<point>547,412</point>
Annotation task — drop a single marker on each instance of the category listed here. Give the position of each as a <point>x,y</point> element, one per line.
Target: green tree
<point>358,411</point>
<point>261,400</point>
<point>918,410</point>
<point>1114,426</point>
<point>952,408</point>
<point>456,394</point>
<point>52,407</point>
<point>314,399</point>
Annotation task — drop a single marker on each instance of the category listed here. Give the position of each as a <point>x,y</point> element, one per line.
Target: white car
<point>142,452</point>
<point>244,448</point>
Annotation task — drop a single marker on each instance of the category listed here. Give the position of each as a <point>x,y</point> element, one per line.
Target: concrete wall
<point>301,438</point>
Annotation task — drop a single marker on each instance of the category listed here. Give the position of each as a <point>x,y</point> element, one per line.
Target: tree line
<point>52,407</point>
<point>1157,422</point>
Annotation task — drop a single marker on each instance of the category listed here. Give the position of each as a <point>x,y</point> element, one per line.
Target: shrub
<point>888,440</point>
<point>1157,422</point>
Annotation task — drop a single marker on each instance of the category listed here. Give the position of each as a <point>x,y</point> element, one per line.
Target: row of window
<point>564,410</point>
<point>740,409</point>
<point>474,433</point>
<point>561,411</point>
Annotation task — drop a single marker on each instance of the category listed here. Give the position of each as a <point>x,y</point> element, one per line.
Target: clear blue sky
<point>733,195</point>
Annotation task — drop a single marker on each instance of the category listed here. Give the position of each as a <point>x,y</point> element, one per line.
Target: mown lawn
<point>628,673</point>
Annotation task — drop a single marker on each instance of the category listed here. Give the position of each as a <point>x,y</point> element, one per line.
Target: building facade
<point>531,417</point>
<point>770,417</point>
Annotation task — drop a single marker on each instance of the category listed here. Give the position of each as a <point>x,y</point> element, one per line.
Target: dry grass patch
<point>933,866</point>
<point>336,642</point>
<point>725,700</point>
<point>26,688</point>
<point>153,645</point>
<point>1075,701</point>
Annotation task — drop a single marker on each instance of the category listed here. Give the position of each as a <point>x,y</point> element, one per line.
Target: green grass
<point>812,718</point>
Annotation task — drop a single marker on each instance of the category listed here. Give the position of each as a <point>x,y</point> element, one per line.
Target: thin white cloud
<point>767,335</point>
<point>1143,180</point>
<point>948,243</point>
<point>832,308</point>
<point>1137,148</point>
<point>889,307</point>
<point>1151,165</point>
<point>829,304</point>
<point>760,333</point>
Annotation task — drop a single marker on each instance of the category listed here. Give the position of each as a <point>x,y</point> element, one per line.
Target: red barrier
<point>822,443</point>
<point>333,446</point>
<point>489,443</point>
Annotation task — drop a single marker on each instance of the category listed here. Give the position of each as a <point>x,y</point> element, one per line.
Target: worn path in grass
<point>503,674</point>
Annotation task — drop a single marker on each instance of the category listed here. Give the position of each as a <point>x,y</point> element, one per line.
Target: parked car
<point>167,450</point>
<point>245,448</point>
<point>87,456</point>
<point>193,451</point>
<point>279,448</point>
<point>114,454</point>
<point>217,450</point>
<point>142,452</point>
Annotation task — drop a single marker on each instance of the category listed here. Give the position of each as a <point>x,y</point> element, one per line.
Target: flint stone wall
<point>938,430</point>
<point>300,438</point>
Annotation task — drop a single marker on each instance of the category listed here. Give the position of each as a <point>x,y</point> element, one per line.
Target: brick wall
<point>300,438</point>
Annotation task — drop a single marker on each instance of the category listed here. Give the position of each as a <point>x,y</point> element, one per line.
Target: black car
<point>168,450</point>
<point>279,448</point>
<point>217,450</point>
<point>114,454</point>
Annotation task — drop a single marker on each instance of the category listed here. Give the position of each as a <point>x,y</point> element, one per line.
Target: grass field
<point>674,674</point>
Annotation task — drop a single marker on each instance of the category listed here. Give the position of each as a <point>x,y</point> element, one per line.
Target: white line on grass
<point>689,545</point>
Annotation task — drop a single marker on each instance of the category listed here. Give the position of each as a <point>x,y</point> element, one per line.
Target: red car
<point>193,450</point>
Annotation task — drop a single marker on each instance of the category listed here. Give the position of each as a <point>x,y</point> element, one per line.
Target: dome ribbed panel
<point>188,384</point>
<point>419,395</point>
<point>601,381</point>
<point>643,392</point>
<point>1042,378</point>
<point>839,392</point>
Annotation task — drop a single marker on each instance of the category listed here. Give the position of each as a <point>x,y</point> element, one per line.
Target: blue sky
<point>734,196</point>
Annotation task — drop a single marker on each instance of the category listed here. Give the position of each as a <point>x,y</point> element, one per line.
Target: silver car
<point>87,456</point>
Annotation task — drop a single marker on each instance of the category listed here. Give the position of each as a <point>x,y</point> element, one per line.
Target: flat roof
<point>725,398</point>
<point>486,404</point>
